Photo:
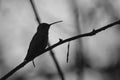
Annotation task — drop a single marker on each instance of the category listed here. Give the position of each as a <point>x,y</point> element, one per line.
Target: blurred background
<point>91,58</point>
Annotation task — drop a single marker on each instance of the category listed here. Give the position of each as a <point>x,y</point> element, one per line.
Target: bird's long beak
<point>55,22</point>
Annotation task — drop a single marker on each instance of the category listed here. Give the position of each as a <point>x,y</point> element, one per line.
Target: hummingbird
<point>39,41</point>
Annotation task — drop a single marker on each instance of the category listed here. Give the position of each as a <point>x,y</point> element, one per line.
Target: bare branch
<point>92,33</point>
<point>14,70</point>
<point>57,64</point>
<point>35,11</point>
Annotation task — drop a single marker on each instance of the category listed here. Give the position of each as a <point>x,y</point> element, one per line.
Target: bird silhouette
<point>38,42</point>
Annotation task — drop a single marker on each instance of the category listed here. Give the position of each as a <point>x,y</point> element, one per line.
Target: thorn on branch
<point>93,32</point>
<point>60,40</point>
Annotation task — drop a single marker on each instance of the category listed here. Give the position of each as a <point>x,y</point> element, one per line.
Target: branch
<point>14,70</point>
<point>92,33</point>
<point>35,11</point>
<point>56,64</point>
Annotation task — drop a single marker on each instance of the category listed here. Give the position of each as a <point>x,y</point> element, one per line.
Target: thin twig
<point>56,63</point>
<point>68,48</point>
<point>35,11</point>
<point>92,33</point>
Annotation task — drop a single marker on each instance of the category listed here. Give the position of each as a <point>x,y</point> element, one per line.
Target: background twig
<point>56,63</point>
<point>35,11</point>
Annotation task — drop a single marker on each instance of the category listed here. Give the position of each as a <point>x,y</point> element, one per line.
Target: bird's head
<point>45,26</point>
